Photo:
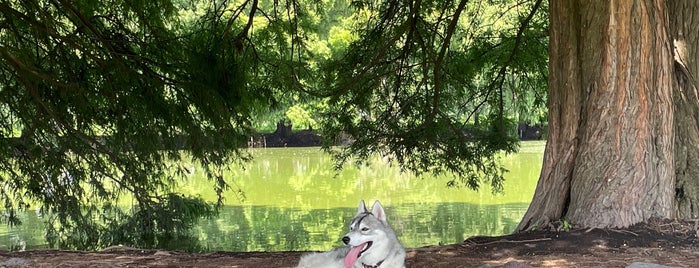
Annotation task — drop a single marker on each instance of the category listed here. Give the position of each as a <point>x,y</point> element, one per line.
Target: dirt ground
<point>671,243</point>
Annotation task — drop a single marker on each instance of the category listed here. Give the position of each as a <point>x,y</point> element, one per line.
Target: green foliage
<point>565,225</point>
<point>166,224</point>
<point>100,99</point>
<point>301,118</point>
<point>431,84</point>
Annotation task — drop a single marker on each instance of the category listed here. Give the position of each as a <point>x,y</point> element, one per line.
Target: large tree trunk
<point>684,22</point>
<point>609,160</point>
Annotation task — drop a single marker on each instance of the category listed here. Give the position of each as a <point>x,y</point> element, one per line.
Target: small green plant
<point>565,225</point>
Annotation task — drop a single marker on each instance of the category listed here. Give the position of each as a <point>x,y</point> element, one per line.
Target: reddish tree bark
<point>609,160</point>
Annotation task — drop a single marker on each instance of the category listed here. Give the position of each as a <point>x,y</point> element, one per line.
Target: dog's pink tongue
<point>353,255</point>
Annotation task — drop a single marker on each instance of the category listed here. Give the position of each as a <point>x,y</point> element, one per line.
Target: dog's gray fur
<point>380,247</point>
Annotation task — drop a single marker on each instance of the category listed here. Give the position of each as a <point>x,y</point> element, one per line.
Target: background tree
<point>429,83</point>
<point>98,98</point>
<point>102,100</point>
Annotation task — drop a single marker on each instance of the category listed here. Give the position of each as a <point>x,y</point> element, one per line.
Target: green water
<point>295,201</point>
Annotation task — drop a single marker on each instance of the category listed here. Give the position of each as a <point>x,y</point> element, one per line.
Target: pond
<point>294,200</point>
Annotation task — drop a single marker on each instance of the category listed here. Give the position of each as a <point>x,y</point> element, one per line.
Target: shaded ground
<point>671,243</point>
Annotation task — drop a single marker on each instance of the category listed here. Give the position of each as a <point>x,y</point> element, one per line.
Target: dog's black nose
<point>346,240</point>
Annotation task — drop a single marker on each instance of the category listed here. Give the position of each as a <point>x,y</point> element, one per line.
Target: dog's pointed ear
<point>378,211</point>
<point>362,208</point>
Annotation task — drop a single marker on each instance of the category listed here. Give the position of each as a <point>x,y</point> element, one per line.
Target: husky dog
<point>371,243</point>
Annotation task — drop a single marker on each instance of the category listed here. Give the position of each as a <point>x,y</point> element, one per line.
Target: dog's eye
<point>364,229</point>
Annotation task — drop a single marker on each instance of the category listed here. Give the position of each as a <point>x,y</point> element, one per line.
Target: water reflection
<point>295,201</point>
<point>258,228</point>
